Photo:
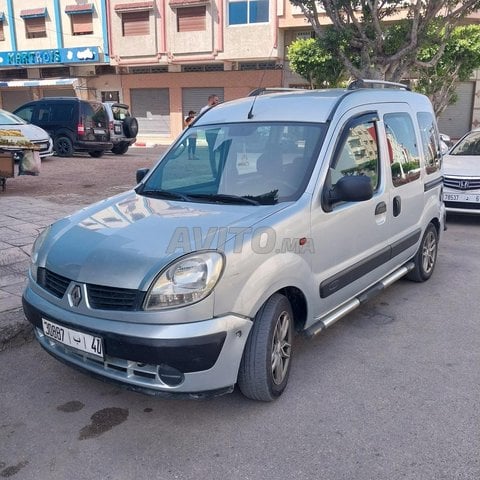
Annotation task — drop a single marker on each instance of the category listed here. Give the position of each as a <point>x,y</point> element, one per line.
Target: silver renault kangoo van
<point>297,207</point>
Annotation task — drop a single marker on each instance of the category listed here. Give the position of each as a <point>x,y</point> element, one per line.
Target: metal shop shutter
<point>457,118</point>
<point>151,107</point>
<point>196,98</point>
<point>14,98</point>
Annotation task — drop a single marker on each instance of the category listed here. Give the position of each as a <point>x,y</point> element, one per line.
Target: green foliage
<point>394,40</point>
<point>457,63</point>
<point>315,63</point>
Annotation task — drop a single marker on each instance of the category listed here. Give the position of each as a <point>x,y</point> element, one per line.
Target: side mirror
<point>351,188</point>
<point>141,172</point>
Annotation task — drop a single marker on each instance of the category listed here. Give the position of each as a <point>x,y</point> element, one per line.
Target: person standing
<point>192,138</point>
<point>211,102</point>
<point>211,135</point>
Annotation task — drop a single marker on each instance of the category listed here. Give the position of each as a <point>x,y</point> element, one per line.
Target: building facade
<point>161,57</point>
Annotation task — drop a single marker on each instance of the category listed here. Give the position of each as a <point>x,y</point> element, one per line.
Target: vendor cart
<point>7,168</point>
<point>13,145</point>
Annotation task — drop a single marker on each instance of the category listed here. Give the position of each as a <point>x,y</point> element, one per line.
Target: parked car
<point>461,175</point>
<point>39,137</point>
<point>75,125</point>
<point>123,127</point>
<point>197,279</point>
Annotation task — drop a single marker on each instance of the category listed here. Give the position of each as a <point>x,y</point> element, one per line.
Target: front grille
<point>99,296</point>
<point>112,298</point>
<point>465,205</point>
<point>462,183</point>
<point>52,282</point>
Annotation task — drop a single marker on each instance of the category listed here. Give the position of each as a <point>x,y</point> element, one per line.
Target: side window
<point>431,144</point>
<point>402,148</point>
<point>26,113</point>
<point>358,154</point>
<point>61,112</point>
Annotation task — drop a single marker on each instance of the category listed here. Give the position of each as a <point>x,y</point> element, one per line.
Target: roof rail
<point>364,83</point>
<point>263,90</point>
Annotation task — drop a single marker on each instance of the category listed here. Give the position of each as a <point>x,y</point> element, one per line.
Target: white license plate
<point>79,340</point>
<point>98,131</point>
<point>462,197</point>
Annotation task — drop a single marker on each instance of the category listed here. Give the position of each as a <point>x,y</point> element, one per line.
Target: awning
<point>34,12</point>
<point>187,3</point>
<point>74,9</point>
<point>39,83</point>
<point>133,7</point>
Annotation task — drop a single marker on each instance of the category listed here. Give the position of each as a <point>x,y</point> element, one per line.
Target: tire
<point>120,148</point>
<point>426,256</point>
<point>63,146</point>
<point>130,127</point>
<point>96,153</point>
<point>265,365</point>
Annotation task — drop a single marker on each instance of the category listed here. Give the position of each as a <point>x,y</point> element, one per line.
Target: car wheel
<point>265,365</point>
<point>63,147</point>
<point>426,256</point>
<point>130,127</point>
<point>120,148</point>
<point>96,153</point>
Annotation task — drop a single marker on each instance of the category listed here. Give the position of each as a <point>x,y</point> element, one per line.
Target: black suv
<point>75,125</point>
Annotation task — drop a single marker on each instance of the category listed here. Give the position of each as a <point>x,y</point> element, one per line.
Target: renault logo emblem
<point>76,295</point>
<point>464,184</point>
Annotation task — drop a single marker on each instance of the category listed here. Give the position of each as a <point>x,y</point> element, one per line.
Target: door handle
<point>380,208</point>
<point>397,206</point>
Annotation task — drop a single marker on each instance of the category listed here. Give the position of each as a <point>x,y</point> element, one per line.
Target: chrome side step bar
<point>328,320</point>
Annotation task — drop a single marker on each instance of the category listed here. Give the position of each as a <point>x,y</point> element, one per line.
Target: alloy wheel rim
<point>281,348</point>
<point>429,252</point>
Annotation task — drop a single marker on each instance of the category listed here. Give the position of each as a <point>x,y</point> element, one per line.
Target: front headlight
<point>187,280</point>
<point>37,245</point>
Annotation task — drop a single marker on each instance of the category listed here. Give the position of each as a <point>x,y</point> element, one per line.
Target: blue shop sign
<point>53,56</point>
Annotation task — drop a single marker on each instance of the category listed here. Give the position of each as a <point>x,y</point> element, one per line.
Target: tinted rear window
<point>95,112</point>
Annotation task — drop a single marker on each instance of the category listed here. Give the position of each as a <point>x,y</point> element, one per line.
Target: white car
<point>36,135</point>
<point>461,175</point>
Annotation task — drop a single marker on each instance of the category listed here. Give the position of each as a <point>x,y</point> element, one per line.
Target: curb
<point>15,329</point>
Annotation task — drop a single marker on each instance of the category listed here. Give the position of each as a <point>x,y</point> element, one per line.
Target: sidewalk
<point>21,220</point>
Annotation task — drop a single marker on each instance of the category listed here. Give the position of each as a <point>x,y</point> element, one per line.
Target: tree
<point>460,58</point>
<point>316,64</point>
<point>381,39</point>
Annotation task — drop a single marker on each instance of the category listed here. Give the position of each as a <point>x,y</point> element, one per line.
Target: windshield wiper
<point>224,198</point>
<point>166,194</point>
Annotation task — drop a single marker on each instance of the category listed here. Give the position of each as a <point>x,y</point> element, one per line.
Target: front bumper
<point>195,359</point>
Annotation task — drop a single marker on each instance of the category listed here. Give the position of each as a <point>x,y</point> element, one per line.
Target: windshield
<point>470,145</point>
<point>7,118</point>
<point>245,163</point>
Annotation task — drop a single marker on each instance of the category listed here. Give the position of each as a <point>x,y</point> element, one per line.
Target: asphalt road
<point>390,392</point>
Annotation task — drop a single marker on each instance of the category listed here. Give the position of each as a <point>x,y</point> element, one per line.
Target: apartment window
<point>191,19</point>
<point>81,18</point>
<point>135,23</point>
<point>2,34</point>
<point>241,12</point>
<point>82,24</point>
<point>34,19</point>
<point>35,27</point>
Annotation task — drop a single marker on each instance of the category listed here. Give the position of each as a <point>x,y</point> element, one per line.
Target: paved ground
<point>21,220</point>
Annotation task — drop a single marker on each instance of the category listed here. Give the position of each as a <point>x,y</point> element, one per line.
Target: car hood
<point>125,241</point>
<point>461,165</point>
<point>32,132</point>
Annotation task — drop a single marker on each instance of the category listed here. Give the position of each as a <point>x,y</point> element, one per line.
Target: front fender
<point>244,294</point>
